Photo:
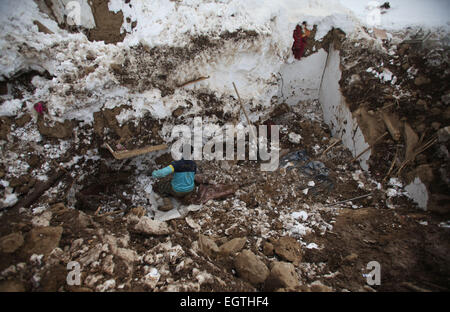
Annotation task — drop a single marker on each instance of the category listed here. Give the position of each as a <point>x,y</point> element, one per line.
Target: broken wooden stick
<point>392,165</point>
<point>420,150</point>
<point>110,213</point>
<point>136,152</point>
<point>370,146</point>
<point>39,190</point>
<point>331,146</point>
<point>245,113</point>
<point>347,200</point>
<point>192,81</point>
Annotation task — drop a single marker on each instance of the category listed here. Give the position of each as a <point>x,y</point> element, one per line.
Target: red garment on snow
<point>299,43</point>
<point>40,108</point>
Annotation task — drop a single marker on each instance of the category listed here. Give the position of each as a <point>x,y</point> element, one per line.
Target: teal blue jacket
<point>183,175</point>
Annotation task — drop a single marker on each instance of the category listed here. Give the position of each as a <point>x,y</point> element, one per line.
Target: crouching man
<point>181,184</point>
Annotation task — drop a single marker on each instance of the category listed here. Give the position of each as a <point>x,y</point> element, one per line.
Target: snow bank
<point>82,86</point>
<point>404,13</point>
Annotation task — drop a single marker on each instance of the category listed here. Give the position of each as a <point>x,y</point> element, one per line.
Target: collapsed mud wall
<point>316,77</point>
<point>336,112</point>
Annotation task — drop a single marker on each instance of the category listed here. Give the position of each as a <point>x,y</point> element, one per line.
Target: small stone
<point>444,134</point>
<point>108,285</point>
<point>317,286</point>
<point>128,255</point>
<point>108,264</point>
<point>83,219</point>
<point>294,138</point>
<point>250,268</point>
<point>178,112</point>
<point>422,104</point>
<point>43,219</point>
<point>351,257</point>
<point>58,209</point>
<point>138,211</point>
<point>421,128</point>
<point>152,227</point>
<point>10,243</point>
<point>268,249</point>
<point>151,278</point>
<point>435,125</point>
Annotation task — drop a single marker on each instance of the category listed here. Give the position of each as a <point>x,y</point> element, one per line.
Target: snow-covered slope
<point>84,82</point>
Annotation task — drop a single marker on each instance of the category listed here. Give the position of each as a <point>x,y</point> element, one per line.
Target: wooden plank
<point>136,152</point>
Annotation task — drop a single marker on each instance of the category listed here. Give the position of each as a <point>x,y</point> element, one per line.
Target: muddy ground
<point>410,245</point>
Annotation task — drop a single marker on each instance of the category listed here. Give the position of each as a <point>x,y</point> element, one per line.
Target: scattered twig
<point>331,146</point>
<point>347,200</point>
<point>39,190</point>
<point>392,165</point>
<point>60,167</point>
<point>193,81</point>
<point>370,146</point>
<point>110,213</point>
<point>420,150</point>
<point>245,113</point>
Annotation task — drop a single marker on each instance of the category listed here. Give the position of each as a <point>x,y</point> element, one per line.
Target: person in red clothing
<point>300,35</point>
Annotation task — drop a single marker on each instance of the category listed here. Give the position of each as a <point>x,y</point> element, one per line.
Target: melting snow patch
<point>300,215</point>
<point>312,246</point>
<point>417,191</point>
<point>294,138</point>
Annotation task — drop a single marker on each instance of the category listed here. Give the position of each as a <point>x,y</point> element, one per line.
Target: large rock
<point>43,240</point>
<point>288,249</point>
<point>233,246</point>
<point>10,243</point>
<point>250,268</point>
<point>282,275</point>
<point>152,227</point>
